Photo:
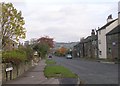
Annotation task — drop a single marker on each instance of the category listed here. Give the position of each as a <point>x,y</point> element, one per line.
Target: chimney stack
<point>93,32</point>
<point>109,19</point>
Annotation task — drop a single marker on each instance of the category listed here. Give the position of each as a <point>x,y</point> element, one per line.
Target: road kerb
<point>107,62</point>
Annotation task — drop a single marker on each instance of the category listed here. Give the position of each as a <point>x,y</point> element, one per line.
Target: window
<point>100,52</point>
<point>99,41</point>
<point>109,37</point>
<point>109,50</point>
<point>93,42</point>
<point>100,32</point>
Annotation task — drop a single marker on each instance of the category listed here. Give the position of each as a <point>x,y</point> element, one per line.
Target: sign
<point>9,69</point>
<point>113,43</point>
<point>36,53</point>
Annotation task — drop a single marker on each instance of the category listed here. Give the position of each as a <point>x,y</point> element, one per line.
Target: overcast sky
<point>64,20</point>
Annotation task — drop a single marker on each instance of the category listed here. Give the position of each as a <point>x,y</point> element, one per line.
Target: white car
<point>69,56</point>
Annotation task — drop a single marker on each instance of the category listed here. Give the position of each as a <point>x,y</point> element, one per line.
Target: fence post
<point>6,75</point>
<point>11,75</point>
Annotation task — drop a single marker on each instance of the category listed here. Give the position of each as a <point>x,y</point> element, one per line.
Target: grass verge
<point>57,71</point>
<point>50,61</point>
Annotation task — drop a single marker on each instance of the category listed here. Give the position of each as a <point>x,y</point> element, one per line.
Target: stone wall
<point>16,72</point>
<point>112,47</point>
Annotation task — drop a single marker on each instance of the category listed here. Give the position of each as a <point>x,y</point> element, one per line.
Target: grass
<point>54,70</point>
<point>58,71</point>
<point>50,61</point>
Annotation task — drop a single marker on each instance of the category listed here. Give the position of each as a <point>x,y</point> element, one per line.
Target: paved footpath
<point>34,76</point>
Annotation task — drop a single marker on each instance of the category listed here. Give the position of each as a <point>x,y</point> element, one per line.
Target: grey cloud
<point>66,22</point>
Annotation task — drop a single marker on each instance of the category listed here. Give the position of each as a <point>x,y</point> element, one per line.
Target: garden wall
<point>14,73</point>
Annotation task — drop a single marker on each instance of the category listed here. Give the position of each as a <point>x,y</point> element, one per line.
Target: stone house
<point>102,39</point>
<point>76,51</point>
<point>90,46</point>
<point>26,43</point>
<point>112,41</point>
<point>87,47</point>
<point>11,45</point>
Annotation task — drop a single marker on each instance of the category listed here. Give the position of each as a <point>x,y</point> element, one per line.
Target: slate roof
<point>116,30</point>
<point>103,27</point>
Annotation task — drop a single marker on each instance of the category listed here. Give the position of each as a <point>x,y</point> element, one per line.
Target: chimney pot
<point>109,19</point>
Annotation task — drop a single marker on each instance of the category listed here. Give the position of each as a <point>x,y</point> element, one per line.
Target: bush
<point>15,56</point>
<point>28,50</point>
<point>42,49</point>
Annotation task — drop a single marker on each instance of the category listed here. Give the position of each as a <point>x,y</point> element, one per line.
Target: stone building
<point>102,45</point>
<point>87,47</point>
<point>90,46</point>
<point>10,45</point>
<point>112,43</point>
<point>76,50</point>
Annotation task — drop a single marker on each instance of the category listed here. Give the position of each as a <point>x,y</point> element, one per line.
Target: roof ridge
<point>107,24</point>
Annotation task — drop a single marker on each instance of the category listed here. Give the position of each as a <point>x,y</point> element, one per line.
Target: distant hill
<point>63,44</point>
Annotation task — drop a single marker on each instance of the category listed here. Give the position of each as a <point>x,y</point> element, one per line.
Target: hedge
<point>15,56</point>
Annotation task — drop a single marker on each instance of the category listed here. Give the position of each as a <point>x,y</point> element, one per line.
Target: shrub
<point>42,49</point>
<point>15,56</point>
<point>28,50</point>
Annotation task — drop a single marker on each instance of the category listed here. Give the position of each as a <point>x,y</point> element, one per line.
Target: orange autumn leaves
<point>62,51</point>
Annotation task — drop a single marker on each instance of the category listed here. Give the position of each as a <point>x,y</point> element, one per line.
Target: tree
<point>46,40</point>
<point>28,50</point>
<point>42,49</point>
<point>43,45</point>
<point>12,24</point>
<point>61,51</point>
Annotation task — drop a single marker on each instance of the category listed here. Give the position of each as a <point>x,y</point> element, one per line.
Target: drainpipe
<point>97,44</point>
<point>119,27</point>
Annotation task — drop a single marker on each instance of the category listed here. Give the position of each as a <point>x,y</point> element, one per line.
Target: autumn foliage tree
<point>47,40</point>
<point>12,29</point>
<point>11,23</point>
<point>43,46</point>
<point>61,51</point>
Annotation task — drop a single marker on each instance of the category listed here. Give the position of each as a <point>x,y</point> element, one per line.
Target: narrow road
<point>91,72</point>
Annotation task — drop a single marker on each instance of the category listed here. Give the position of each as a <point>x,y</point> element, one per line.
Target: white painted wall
<point>102,37</point>
<point>111,26</point>
<point>102,46</point>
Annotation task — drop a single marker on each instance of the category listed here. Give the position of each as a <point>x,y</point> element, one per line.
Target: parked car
<point>69,56</point>
<point>50,57</point>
